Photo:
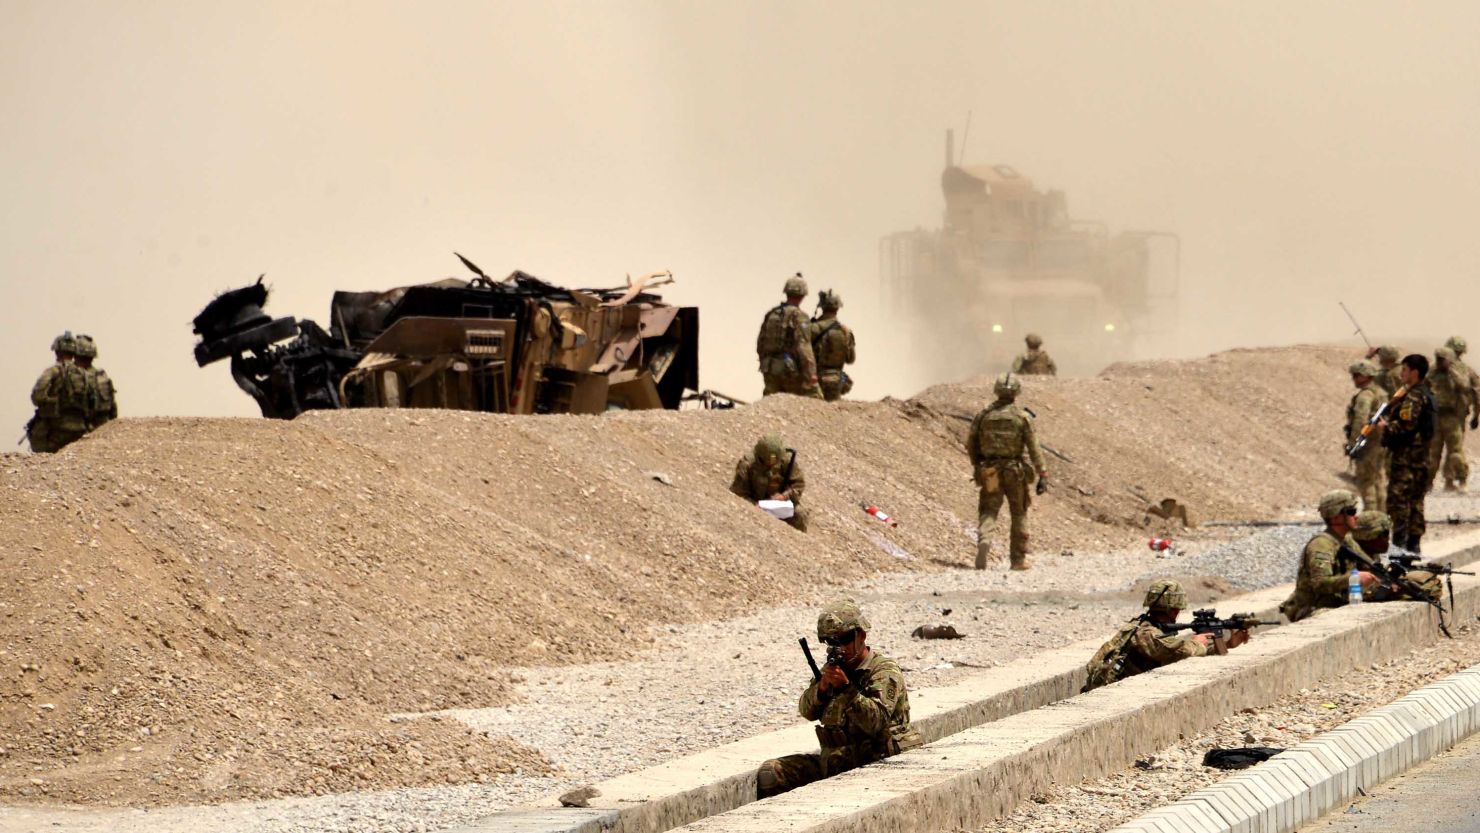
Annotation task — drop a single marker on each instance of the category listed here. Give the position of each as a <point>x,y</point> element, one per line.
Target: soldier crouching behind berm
<point>1141,645</point>
<point>859,702</point>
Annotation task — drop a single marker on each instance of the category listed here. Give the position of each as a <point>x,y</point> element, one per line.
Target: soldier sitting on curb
<point>859,701</point>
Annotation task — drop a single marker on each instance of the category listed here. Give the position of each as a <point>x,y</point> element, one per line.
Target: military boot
<point>1414,544</point>
<point>1022,562</point>
<point>983,554</point>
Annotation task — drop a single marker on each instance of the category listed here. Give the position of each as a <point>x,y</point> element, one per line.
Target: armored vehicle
<point>517,345</point>
<point>1010,260</point>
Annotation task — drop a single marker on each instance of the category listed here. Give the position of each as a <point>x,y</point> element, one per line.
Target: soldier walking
<point>1406,436</point>
<point>102,404</point>
<point>1372,459</point>
<point>1000,435</point>
<point>60,397</point>
<point>784,347</point>
<point>1035,361</point>
<point>832,344</point>
<point>1452,400</point>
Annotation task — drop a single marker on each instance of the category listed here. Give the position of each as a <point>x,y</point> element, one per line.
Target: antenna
<point>965,134</point>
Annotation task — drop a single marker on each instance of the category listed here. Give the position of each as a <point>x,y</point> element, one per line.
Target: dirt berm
<point>205,609</point>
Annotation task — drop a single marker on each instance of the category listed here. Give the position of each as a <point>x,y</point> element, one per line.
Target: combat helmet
<point>1007,386</point>
<point>1388,352</point>
<point>1034,341</point>
<point>839,618</point>
<point>829,299</point>
<point>1457,344</point>
<point>1372,525</point>
<point>1363,368</point>
<point>86,347</point>
<point>1165,594</point>
<point>65,343</point>
<point>1447,354</point>
<point>768,447</point>
<point>1336,501</point>
<point>796,286</point>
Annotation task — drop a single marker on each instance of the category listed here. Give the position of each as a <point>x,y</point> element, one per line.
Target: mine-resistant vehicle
<point>517,345</point>
<point>1010,260</point>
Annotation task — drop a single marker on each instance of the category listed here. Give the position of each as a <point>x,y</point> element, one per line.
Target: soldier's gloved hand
<point>833,679</point>
<point>1042,486</point>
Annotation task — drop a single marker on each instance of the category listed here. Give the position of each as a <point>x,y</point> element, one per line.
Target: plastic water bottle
<point>1354,588</point>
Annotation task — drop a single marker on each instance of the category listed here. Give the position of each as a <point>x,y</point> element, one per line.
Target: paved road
<point>1438,797</point>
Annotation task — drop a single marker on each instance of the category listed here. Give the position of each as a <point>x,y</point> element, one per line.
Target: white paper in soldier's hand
<point>782,509</point>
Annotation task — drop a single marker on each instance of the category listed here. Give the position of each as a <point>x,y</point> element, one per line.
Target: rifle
<point>1402,561</point>
<point>26,432</point>
<point>1353,318</point>
<point>1207,621</point>
<point>1397,577</point>
<point>1451,520</point>
<point>811,663</point>
<point>1355,446</point>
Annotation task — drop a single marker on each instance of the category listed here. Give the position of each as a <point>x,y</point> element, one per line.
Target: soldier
<point>771,472</point>
<point>1000,436</point>
<point>1452,398</point>
<point>1141,645</point>
<point>60,396</point>
<point>832,344</point>
<point>102,404</point>
<point>1371,532</point>
<point>1034,362</point>
<point>785,351</point>
<point>1371,460</point>
<point>1458,345</point>
<point>1328,559</point>
<point>1387,362</point>
<point>1406,435</point>
<point>860,701</point>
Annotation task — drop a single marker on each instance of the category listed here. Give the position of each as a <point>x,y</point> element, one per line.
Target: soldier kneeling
<point>1141,645</point>
<point>859,701</point>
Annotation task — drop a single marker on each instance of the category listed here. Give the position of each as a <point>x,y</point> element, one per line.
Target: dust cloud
<point>156,153</point>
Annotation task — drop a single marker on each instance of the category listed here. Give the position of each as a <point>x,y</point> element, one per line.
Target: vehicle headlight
<point>1109,328</point>
<point>996,328</point>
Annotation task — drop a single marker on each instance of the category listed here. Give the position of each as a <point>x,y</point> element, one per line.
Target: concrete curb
<point>718,781</point>
<point>1309,780</point>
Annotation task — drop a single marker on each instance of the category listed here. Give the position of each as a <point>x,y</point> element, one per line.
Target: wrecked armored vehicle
<point>518,346</point>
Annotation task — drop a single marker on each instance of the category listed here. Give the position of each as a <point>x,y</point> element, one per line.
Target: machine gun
<point>1401,562</point>
<point>1395,574</point>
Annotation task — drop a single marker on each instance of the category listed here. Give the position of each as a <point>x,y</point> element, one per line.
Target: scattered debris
<point>936,632</point>
<point>878,514</point>
<point>661,477</point>
<point>579,797</point>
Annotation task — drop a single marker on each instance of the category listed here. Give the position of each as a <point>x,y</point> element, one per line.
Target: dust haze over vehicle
<point>519,345</point>
<point>1010,260</point>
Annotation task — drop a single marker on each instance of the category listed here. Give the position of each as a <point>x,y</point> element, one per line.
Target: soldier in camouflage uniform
<point>784,347</point>
<point>1458,345</point>
<point>1000,436</point>
<point>60,397</point>
<point>1035,361</point>
<point>1141,645</point>
<point>1406,436</point>
<point>1328,559</point>
<point>1387,364</point>
<point>860,702</point>
<point>832,344</point>
<point>1452,398</point>
<point>102,404</point>
<point>771,472</point>
<point>1371,460</point>
<point>1371,533</point>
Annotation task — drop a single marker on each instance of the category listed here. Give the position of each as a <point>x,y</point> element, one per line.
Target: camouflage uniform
<point>1372,460</point>
<point>999,437</point>
<point>865,722</point>
<point>102,402</point>
<point>1452,396</point>
<point>60,397</point>
<point>1140,645</point>
<point>832,344</point>
<point>1034,361</point>
<point>1371,535</point>
<point>784,348</point>
<point>1406,439</point>
<point>1387,374</point>
<point>1325,564</point>
<point>770,469</point>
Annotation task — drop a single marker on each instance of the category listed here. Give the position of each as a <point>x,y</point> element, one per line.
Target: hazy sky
<point>157,152</point>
